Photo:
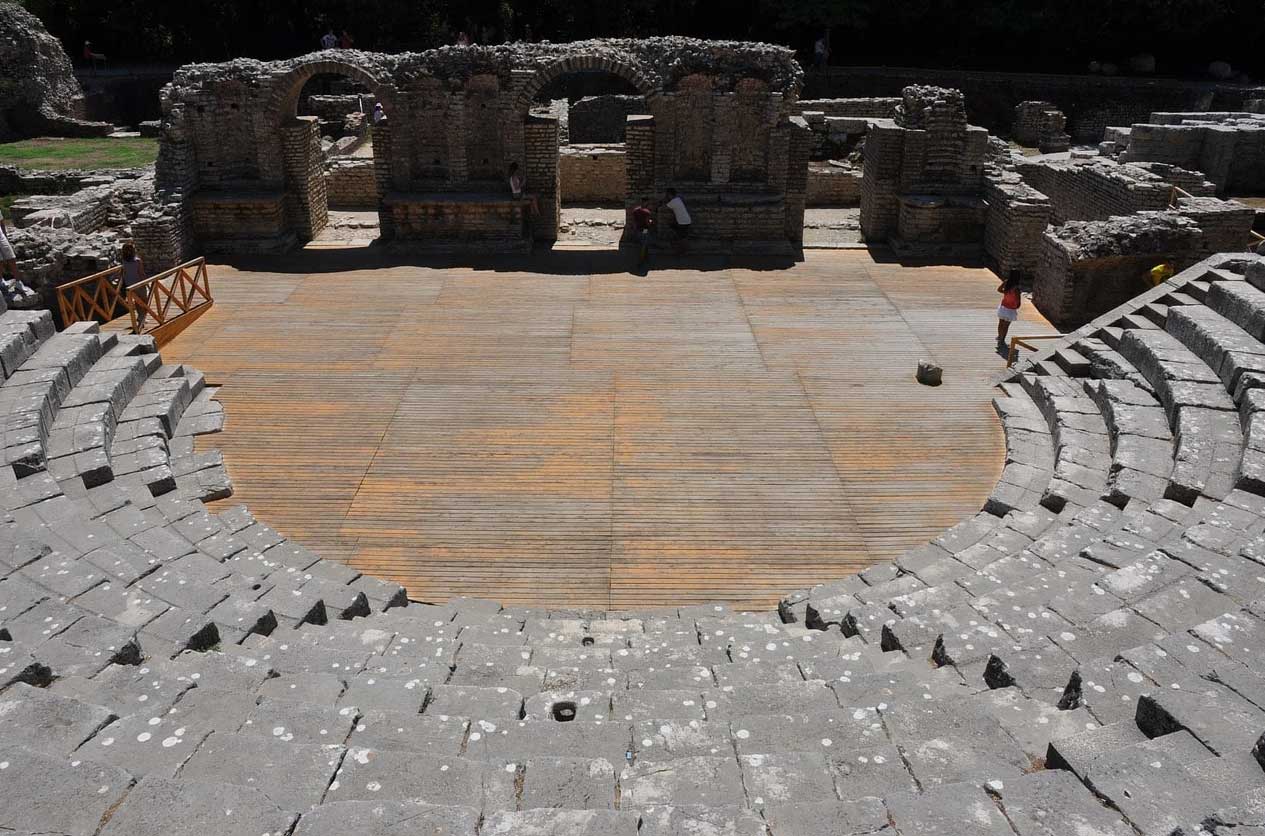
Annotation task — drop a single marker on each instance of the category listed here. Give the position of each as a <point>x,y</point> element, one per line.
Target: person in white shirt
<point>681,220</point>
<point>329,40</point>
<point>379,115</point>
<point>8,259</point>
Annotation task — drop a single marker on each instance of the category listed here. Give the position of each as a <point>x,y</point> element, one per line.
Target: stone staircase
<point>1084,656</point>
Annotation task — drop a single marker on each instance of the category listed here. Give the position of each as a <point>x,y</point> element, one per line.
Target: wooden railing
<point>1027,342</point>
<point>161,305</point>
<point>94,298</point>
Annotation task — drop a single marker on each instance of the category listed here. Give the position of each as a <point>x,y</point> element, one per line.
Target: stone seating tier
<point>1085,655</point>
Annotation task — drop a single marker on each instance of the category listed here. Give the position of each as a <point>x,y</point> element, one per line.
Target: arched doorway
<point>590,100</point>
<point>332,153</point>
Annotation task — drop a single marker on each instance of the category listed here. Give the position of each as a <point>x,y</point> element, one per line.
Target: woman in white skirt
<point>1008,310</point>
<point>8,259</point>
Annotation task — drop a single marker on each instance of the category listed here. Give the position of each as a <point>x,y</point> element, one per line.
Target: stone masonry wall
<point>831,185</point>
<point>1229,148</point>
<point>307,204</point>
<point>458,117</point>
<point>351,184</point>
<point>1040,125</point>
<point>600,119</point>
<point>593,174</point>
<point>1089,267</point>
<point>1094,190</point>
<point>1016,219</point>
<point>1091,102</point>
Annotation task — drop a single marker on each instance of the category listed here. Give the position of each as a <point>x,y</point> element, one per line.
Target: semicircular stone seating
<point>1084,656</point>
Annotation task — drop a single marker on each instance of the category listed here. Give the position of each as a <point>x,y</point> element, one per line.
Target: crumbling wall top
<point>658,64</point>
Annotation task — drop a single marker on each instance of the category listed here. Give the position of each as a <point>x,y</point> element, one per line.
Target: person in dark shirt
<point>642,221</point>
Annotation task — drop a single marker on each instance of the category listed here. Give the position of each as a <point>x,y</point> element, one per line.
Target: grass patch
<point>88,153</point>
<point>6,201</point>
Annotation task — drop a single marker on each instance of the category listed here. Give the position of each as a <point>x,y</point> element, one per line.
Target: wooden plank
<point>597,439</point>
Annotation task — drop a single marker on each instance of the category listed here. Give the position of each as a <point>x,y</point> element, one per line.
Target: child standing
<point>1008,310</point>
<point>133,274</point>
<point>642,220</point>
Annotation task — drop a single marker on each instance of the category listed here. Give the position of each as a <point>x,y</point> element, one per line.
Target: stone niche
<point>1087,268</point>
<point>718,125</point>
<point>593,173</point>
<point>923,177</point>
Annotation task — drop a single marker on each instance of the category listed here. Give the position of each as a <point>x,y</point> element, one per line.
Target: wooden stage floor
<point>576,436</point>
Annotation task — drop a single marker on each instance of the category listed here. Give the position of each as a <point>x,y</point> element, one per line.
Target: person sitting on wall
<point>93,58</point>
<point>329,40</point>
<point>346,41</point>
<point>642,222</point>
<point>681,220</point>
<point>517,189</point>
<point>379,115</point>
<point>1008,310</point>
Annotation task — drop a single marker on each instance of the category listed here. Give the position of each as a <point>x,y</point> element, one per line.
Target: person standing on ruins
<point>379,115</point>
<point>8,258</point>
<point>329,40</point>
<point>133,274</point>
<point>1008,310</point>
<point>821,53</point>
<point>642,221</point>
<point>346,41</point>
<point>92,57</point>
<point>681,220</point>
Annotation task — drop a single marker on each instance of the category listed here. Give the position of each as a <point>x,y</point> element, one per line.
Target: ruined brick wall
<point>332,108</point>
<point>306,201</point>
<point>639,158</point>
<point>941,219</point>
<point>601,119</point>
<point>593,174</point>
<point>541,138</point>
<point>927,153</point>
<point>352,184</point>
<point>1094,190</point>
<point>1229,148</point>
<point>1015,221</point>
<point>881,180</point>
<point>1086,268</point>
<point>1091,102</point>
<point>872,108</point>
<point>830,185</point>
<point>220,220</point>
<point>458,117</point>
<point>1040,125</point>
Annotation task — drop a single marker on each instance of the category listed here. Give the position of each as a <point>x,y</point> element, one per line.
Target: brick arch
<point>286,89</point>
<point>624,66</point>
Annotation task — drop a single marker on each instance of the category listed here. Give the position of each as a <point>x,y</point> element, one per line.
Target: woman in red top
<point>1008,310</point>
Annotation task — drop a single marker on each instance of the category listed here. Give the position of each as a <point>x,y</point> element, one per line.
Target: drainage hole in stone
<point>587,641</point>
<point>564,712</point>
